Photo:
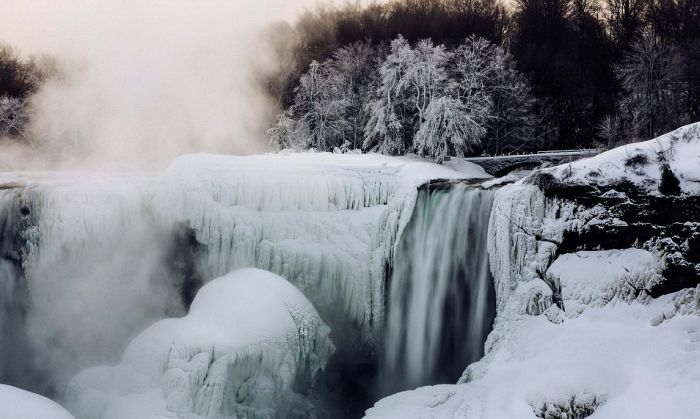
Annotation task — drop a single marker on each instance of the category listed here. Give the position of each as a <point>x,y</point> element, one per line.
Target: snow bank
<point>610,361</point>
<point>250,346</point>
<point>641,163</point>
<point>20,404</point>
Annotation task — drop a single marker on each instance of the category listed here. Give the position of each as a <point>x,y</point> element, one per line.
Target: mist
<point>146,81</point>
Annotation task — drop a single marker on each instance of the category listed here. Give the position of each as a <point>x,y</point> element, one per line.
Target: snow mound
<point>588,278</point>
<point>249,347</point>
<point>20,404</point>
<point>642,163</point>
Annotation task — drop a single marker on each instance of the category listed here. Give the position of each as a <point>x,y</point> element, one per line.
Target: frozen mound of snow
<point>641,163</point>
<point>20,404</point>
<point>250,346</point>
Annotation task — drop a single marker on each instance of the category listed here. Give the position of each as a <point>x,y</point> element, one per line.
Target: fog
<point>147,80</point>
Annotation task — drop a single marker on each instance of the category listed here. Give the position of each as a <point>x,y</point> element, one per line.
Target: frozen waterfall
<point>441,303</point>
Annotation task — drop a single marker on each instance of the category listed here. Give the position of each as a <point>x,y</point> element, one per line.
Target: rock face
<point>250,346</point>
<point>598,311</point>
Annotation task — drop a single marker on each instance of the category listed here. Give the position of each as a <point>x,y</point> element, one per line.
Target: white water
<point>441,300</point>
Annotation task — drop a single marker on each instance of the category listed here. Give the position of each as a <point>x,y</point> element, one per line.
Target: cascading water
<point>441,300</point>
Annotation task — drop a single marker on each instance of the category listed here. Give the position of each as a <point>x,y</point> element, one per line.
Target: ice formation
<point>20,404</point>
<point>106,254</point>
<point>250,346</point>
<point>598,302</point>
<point>439,308</point>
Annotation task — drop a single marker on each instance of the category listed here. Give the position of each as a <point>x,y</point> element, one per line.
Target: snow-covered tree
<point>319,111</point>
<point>449,129</point>
<point>13,117</point>
<point>329,102</point>
<point>389,128</point>
<point>356,66</point>
<point>289,133</point>
<point>652,97</point>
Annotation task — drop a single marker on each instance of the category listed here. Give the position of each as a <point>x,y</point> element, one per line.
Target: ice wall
<point>440,305</point>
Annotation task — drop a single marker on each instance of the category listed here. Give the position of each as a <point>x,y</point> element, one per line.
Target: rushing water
<point>441,302</point>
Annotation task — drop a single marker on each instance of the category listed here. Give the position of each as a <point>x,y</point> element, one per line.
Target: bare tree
<point>652,97</point>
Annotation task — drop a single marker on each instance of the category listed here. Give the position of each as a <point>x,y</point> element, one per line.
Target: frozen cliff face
<point>250,346</point>
<point>20,404</point>
<point>597,279</point>
<point>103,255</point>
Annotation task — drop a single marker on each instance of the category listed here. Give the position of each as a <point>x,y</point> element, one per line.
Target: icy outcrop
<point>328,223</point>
<point>597,281</point>
<point>249,347</point>
<point>20,404</point>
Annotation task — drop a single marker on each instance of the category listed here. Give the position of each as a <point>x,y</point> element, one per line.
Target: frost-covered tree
<point>389,126</point>
<point>13,117</point>
<point>610,130</point>
<point>329,102</point>
<point>356,67</point>
<point>652,97</point>
<point>448,129</point>
<point>411,79</point>
<point>427,77</point>
<point>289,133</point>
<point>319,111</point>
<point>473,69</point>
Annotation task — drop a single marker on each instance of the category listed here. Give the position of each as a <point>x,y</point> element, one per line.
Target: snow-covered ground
<point>20,404</point>
<point>249,347</point>
<point>578,332</point>
<point>641,163</point>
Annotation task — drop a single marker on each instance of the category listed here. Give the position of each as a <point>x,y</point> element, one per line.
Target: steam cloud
<point>149,80</point>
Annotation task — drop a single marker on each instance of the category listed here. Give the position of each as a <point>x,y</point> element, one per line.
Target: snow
<point>681,149</point>
<point>613,352</point>
<point>250,342</point>
<point>20,404</point>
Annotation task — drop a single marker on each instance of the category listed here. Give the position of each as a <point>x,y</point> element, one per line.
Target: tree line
<point>442,77</point>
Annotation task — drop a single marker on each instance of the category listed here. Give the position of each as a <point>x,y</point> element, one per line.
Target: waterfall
<point>16,367</point>
<point>441,299</point>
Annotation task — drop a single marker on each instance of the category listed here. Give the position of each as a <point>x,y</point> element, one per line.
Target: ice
<point>100,250</point>
<point>20,404</point>
<point>250,346</point>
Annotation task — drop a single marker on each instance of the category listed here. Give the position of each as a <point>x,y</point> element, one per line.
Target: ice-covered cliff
<point>103,255</point>
<point>596,266</point>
